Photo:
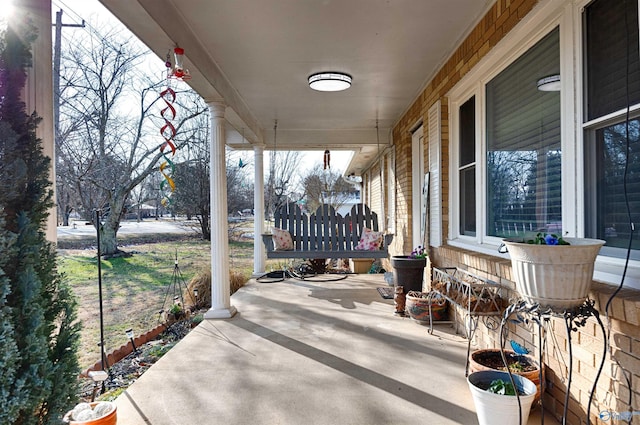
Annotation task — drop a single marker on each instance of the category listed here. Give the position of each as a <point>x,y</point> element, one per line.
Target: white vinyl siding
<point>435,187</point>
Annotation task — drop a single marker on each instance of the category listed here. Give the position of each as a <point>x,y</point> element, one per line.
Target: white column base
<point>221,313</point>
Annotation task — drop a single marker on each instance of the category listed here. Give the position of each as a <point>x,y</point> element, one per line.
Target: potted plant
<point>495,398</point>
<point>422,305</point>
<point>408,275</point>
<point>94,413</point>
<point>552,271</point>
<point>176,312</point>
<point>519,364</point>
<point>408,270</point>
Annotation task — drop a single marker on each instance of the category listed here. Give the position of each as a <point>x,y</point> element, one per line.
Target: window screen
<point>612,220</point>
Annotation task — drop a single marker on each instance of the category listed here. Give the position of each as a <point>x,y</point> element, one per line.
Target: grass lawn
<point>135,288</point>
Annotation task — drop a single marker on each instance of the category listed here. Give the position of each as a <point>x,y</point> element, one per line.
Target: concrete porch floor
<point>307,352</point>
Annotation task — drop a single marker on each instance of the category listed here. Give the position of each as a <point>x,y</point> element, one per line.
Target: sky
<point>74,11</point>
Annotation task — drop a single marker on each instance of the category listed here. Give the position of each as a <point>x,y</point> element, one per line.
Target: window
<point>552,161</point>
<point>418,202</point>
<point>467,167</point>
<point>611,48</point>
<point>523,145</point>
<point>612,134</point>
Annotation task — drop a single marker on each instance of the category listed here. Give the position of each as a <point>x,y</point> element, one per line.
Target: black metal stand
<point>468,287</point>
<point>176,286</point>
<point>104,363</point>
<point>574,319</point>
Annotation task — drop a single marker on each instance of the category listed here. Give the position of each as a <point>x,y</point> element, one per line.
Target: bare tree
<point>111,113</point>
<point>192,196</point>
<point>283,180</point>
<point>67,200</point>
<point>192,185</point>
<point>325,186</point>
<point>239,183</point>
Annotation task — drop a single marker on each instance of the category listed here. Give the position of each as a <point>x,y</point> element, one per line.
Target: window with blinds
<point>523,145</point>
<point>611,38</point>
<point>612,146</point>
<point>467,167</point>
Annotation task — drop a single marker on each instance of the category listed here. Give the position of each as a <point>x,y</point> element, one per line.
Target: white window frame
<point>531,30</point>
<point>607,268</point>
<point>417,183</point>
<point>391,185</point>
<point>546,16</point>
<point>454,169</point>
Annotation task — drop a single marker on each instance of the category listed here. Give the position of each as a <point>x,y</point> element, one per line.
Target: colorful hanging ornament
<point>179,72</point>
<point>168,132</point>
<point>327,159</point>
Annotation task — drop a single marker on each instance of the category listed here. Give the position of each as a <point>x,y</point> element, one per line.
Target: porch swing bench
<point>325,233</point>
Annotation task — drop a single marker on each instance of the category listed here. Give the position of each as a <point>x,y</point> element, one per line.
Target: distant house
<point>141,211</point>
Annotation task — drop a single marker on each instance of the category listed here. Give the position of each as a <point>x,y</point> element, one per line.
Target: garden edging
<point>126,349</point>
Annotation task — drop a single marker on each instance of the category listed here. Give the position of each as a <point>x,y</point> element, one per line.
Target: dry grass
<point>136,288</point>
<point>202,283</point>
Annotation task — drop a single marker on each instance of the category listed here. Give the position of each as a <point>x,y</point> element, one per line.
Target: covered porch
<point>308,352</point>
<point>414,67</point>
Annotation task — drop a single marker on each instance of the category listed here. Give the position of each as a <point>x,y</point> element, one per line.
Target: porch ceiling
<point>257,55</point>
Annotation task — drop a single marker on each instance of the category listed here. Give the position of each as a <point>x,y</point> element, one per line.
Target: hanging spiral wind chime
<point>168,130</point>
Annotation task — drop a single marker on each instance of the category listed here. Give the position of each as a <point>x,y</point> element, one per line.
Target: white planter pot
<point>555,276</point>
<point>498,409</point>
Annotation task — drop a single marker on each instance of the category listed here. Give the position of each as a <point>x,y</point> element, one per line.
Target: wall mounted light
<point>353,179</point>
<point>330,81</point>
<point>550,83</point>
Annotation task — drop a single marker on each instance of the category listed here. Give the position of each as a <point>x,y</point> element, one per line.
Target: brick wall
<point>587,342</point>
<point>498,21</point>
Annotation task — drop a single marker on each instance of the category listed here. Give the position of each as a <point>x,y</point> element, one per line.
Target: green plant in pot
<point>176,311</point>
<point>494,396</point>
<point>519,364</point>
<point>498,386</point>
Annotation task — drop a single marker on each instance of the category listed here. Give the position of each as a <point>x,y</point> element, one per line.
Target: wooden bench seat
<point>325,233</point>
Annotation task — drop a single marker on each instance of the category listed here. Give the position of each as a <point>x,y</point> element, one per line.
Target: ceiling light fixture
<point>550,83</point>
<point>330,81</point>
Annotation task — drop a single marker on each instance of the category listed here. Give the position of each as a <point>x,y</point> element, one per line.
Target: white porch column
<point>221,307</point>
<point>258,212</point>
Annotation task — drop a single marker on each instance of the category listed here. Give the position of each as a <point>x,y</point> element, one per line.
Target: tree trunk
<point>108,239</point>
<point>109,229</point>
<point>205,226</point>
<point>65,216</point>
